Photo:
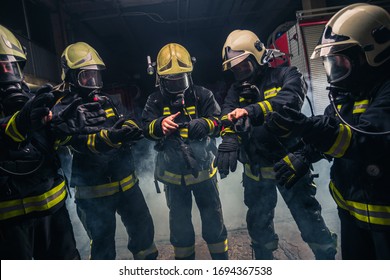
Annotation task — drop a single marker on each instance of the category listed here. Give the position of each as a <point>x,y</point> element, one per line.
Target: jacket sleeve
<point>210,112</point>
<point>151,119</point>
<point>230,103</point>
<point>348,143</point>
<point>291,93</point>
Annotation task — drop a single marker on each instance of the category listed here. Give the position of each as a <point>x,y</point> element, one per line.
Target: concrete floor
<point>291,245</point>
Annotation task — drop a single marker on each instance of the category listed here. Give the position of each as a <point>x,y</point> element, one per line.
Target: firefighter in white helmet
<point>355,129</point>
<point>258,90</point>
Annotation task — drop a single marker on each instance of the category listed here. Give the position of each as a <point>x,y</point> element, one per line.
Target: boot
<point>220,256</point>
<point>325,251</point>
<point>262,252</point>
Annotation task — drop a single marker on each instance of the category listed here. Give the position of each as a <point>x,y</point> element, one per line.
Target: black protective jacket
<point>360,173</point>
<point>199,102</point>
<point>30,180</point>
<point>276,87</point>
<point>96,160</point>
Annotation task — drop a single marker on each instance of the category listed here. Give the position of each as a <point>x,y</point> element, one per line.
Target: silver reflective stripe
<point>183,252</point>
<point>342,142</point>
<point>220,247</point>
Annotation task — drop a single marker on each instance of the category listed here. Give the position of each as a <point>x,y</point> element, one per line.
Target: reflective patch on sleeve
<point>342,142</point>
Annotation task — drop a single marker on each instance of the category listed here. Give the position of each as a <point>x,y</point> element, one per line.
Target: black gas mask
<point>174,87</point>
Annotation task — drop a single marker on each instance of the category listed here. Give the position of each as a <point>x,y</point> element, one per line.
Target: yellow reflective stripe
<point>360,106</point>
<point>84,192</point>
<point>183,252</point>
<point>227,130</point>
<point>183,132</point>
<point>141,255</point>
<point>248,172</point>
<point>265,106</point>
<point>190,110</point>
<point>45,201</point>
<point>342,142</point>
<point>170,178</point>
<point>287,160</point>
<point>266,172</point>
<point>104,136</point>
<point>218,248</point>
<point>66,140</point>
<point>130,123</point>
<point>166,111</point>
<point>91,143</point>
<point>269,93</point>
<point>109,112</point>
<point>368,213</point>
<point>242,100</point>
<point>12,131</point>
<point>224,117</point>
<point>210,124</point>
<point>151,129</point>
<point>202,176</point>
<point>189,179</point>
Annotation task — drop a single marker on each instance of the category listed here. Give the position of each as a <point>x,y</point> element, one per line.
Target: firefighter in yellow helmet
<point>103,164</point>
<point>260,89</point>
<point>355,128</point>
<point>34,221</point>
<point>182,119</point>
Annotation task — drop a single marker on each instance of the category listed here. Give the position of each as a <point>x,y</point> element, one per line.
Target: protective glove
<point>291,169</point>
<point>123,133</point>
<point>320,131</point>
<point>293,124</point>
<point>198,129</point>
<point>31,116</point>
<point>78,118</point>
<point>227,154</point>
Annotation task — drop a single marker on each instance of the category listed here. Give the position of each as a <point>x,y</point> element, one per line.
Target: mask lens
<point>243,70</point>
<point>337,67</point>
<point>175,83</point>
<point>10,72</point>
<point>90,79</point>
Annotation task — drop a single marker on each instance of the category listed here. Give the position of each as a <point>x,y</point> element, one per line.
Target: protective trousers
<point>98,218</point>
<point>45,238</point>
<point>261,197</point>
<point>182,235</point>
<point>362,244</point>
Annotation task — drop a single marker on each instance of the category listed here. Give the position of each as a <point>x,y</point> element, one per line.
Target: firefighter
<point>354,130</point>
<point>257,90</point>
<point>34,220</point>
<point>182,118</point>
<point>103,165</point>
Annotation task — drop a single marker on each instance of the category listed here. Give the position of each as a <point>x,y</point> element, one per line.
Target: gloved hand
<point>227,154</point>
<point>123,133</point>
<point>293,124</point>
<point>290,169</point>
<point>78,118</point>
<point>198,129</point>
<point>31,116</point>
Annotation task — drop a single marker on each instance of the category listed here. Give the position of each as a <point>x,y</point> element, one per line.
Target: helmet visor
<point>90,78</point>
<point>322,51</point>
<point>232,58</point>
<point>10,72</point>
<point>243,70</point>
<point>175,83</point>
<point>337,67</point>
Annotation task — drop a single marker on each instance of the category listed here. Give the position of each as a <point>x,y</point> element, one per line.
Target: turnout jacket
<point>99,167</point>
<point>171,166</point>
<point>30,180</point>
<point>360,173</point>
<point>276,87</point>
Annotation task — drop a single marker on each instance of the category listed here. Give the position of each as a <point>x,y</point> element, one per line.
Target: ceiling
<point>125,31</point>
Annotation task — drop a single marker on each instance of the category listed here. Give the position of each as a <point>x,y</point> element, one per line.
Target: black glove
<point>227,154</point>
<point>78,118</point>
<point>123,133</point>
<point>291,169</point>
<point>31,116</point>
<point>292,124</point>
<point>198,129</point>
